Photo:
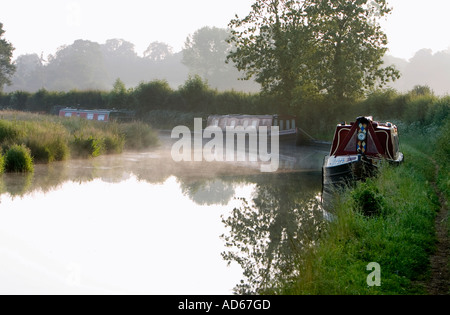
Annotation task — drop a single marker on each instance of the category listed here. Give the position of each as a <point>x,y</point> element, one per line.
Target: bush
<point>89,146</point>
<point>18,159</point>
<point>114,143</point>
<point>417,108</point>
<point>9,133</point>
<point>367,198</point>
<point>138,135</point>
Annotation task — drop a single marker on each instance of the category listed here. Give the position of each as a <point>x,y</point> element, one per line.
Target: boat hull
<point>338,174</point>
<point>337,177</point>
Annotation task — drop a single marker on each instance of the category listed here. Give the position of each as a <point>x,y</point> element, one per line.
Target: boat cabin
<point>287,124</point>
<point>368,138</point>
<point>97,114</point>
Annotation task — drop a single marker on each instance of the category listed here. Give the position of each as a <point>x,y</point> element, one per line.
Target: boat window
<point>68,115</point>
<point>90,116</point>
<point>281,125</point>
<point>246,123</point>
<point>215,122</point>
<point>223,123</point>
<point>101,118</point>
<point>293,124</point>
<point>254,123</point>
<point>233,123</point>
<point>275,122</point>
<point>288,125</point>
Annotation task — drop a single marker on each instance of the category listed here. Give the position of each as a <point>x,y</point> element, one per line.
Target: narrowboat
<point>356,152</point>
<point>105,115</point>
<point>287,124</point>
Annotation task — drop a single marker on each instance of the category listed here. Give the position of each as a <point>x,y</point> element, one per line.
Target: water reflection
<point>139,222</point>
<point>269,233</point>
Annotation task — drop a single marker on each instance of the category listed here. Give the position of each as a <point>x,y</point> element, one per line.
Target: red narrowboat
<point>105,115</point>
<point>356,152</point>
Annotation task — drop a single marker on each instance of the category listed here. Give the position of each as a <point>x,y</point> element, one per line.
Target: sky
<point>43,26</point>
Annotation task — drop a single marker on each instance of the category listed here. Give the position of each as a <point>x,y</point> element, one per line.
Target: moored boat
<point>357,150</point>
<point>287,124</point>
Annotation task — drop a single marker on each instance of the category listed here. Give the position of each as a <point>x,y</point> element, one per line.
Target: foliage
<point>50,138</point>
<point>300,50</point>
<point>89,146</point>
<point>206,51</point>
<point>138,135</point>
<point>7,68</point>
<point>18,159</point>
<point>196,94</point>
<point>367,198</point>
<point>152,95</point>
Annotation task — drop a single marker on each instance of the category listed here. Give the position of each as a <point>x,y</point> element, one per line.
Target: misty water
<point>139,223</point>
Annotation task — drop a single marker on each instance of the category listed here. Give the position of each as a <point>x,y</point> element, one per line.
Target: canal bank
<point>405,238</point>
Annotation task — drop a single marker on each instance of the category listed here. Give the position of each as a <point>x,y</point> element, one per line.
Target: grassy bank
<point>399,234</point>
<point>50,138</point>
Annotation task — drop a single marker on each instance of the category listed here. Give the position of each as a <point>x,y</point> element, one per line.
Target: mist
<point>88,65</point>
<point>425,68</point>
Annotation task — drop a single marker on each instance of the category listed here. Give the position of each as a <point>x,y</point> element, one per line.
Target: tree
<point>158,51</point>
<point>29,75</point>
<point>121,60</point>
<point>118,97</point>
<point>302,49</point>
<point>80,66</point>
<point>205,51</point>
<point>205,55</point>
<point>6,67</point>
<point>353,46</point>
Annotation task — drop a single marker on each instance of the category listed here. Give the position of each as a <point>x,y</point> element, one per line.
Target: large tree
<point>353,46</point>
<point>7,68</point>
<point>158,51</point>
<point>205,54</point>
<point>78,66</point>
<point>308,48</point>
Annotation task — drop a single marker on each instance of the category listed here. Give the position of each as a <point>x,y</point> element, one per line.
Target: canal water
<point>139,223</point>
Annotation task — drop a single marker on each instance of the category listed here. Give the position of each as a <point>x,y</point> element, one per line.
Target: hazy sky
<point>42,26</point>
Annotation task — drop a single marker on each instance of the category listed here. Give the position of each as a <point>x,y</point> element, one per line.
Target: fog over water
<point>140,223</point>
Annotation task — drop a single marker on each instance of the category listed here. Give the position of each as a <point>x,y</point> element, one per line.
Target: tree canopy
<point>6,66</point>
<point>302,50</point>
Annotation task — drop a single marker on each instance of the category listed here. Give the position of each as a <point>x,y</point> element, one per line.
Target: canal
<point>140,223</point>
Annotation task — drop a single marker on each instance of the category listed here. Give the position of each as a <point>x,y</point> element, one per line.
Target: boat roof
<point>243,116</point>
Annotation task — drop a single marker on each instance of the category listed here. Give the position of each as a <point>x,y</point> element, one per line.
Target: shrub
<point>417,108</point>
<point>367,198</point>
<point>138,135</point>
<point>114,143</point>
<point>88,146</point>
<point>9,133</point>
<point>18,159</point>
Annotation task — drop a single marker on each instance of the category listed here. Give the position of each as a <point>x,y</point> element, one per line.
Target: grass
<point>18,159</point>
<point>50,138</point>
<point>389,220</point>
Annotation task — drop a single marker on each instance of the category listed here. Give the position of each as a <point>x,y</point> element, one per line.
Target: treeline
<point>416,108</point>
<point>194,96</point>
<point>86,65</point>
<point>157,103</point>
